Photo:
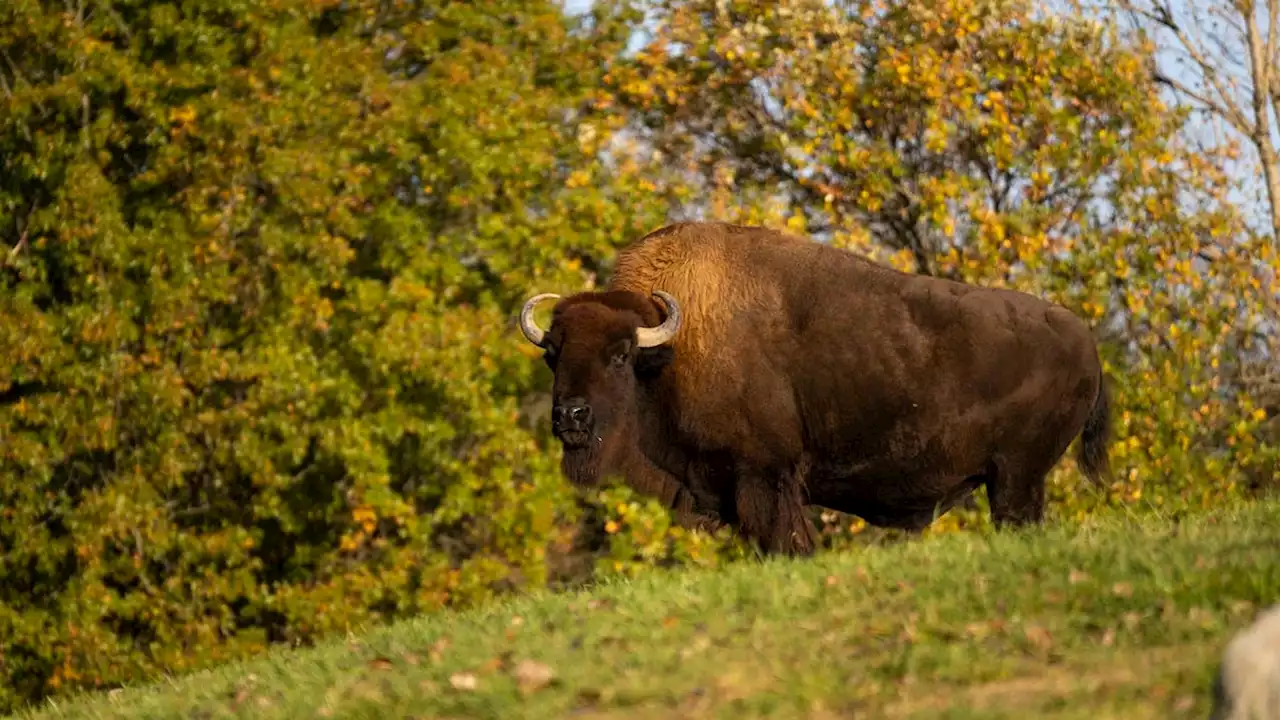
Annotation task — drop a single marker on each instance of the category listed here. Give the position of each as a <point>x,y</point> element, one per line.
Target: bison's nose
<point>572,415</point>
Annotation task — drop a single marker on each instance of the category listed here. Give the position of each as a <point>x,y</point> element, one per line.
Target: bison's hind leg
<point>1016,493</point>
<point>770,510</point>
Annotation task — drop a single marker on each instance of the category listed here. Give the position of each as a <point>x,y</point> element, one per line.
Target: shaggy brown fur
<point>803,373</point>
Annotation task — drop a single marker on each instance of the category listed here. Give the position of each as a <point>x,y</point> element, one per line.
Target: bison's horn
<point>653,337</point>
<point>530,328</point>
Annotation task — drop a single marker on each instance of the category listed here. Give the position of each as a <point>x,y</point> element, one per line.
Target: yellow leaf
<point>182,115</point>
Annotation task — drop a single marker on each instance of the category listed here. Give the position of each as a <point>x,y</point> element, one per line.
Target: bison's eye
<point>619,353</point>
<point>550,357</point>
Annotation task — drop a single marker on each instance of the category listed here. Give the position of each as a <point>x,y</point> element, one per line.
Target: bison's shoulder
<point>722,240</point>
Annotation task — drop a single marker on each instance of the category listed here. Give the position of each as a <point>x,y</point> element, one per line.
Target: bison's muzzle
<point>572,422</point>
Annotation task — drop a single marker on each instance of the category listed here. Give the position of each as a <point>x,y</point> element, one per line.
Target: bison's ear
<point>650,362</point>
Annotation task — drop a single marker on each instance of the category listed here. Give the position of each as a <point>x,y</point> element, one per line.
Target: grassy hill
<point>1117,619</point>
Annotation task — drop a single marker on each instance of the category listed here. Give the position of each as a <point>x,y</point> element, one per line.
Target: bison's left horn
<point>653,337</point>
<point>530,328</point>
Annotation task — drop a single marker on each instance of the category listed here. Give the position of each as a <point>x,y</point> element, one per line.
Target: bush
<point>259,379</point>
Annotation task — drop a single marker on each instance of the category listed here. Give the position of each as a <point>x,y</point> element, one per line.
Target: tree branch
<point>1226,105</point>
<point>1230,113</point>
<point>23,237</point>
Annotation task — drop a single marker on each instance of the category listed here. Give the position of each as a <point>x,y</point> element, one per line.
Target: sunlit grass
<point>1117,618</point>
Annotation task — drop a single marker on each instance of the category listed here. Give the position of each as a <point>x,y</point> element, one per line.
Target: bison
<point>741,373</point>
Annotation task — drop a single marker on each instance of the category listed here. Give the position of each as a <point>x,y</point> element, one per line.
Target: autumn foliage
<point>259,377</point>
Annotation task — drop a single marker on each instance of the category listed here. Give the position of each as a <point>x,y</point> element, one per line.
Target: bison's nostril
<point>571,415</point>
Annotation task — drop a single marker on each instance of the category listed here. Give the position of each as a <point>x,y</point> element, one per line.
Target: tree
<point>259,373</point>
<point>986,141</point>
<point>1222,59</point>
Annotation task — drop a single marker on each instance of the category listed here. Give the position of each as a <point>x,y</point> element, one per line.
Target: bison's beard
<point>587,459</point>
<point>581,464</point>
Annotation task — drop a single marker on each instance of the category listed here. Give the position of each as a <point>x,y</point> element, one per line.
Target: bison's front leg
<point>686,511</point>
<point>646,477</point>
<point>770,508</point>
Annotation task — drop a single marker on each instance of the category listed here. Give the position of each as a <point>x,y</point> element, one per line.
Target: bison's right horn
<point>653,337</point>
<point>530,328</point>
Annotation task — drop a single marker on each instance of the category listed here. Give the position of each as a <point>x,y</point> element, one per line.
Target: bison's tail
<point>1091,454</point>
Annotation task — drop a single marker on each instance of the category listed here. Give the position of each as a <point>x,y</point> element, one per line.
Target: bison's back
<point>869,360</point>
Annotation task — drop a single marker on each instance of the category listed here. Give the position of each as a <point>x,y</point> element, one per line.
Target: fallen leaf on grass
<point>832,580</point>
<point>700,643</point>
<point>977,630</point>
<point>243,689</point>
<point>1039,637</point>
<point>437,649</point>
<point>531,676</point>
<point>495,664</point>
<point>1123,589</point>
<point>463,681</point>
<point>380,663</point>
<point>1202,617</point>
<point>1076,577</point>
<point>737,683</point>
<point>669,621</point>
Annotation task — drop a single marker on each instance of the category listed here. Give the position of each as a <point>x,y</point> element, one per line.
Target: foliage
<point>1220,60</point>
<point>984,141</point>
<point>642,535</point>
<point>1118,619</point>
<point>258,376</point>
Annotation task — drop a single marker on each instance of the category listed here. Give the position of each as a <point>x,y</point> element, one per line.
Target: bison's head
<point>602,346</point>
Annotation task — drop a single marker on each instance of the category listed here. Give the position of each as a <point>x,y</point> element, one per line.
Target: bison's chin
<point>581,464</point>
<point>588,457</point>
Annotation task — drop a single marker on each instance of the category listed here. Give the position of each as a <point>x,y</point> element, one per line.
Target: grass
<point>1117,619</point>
